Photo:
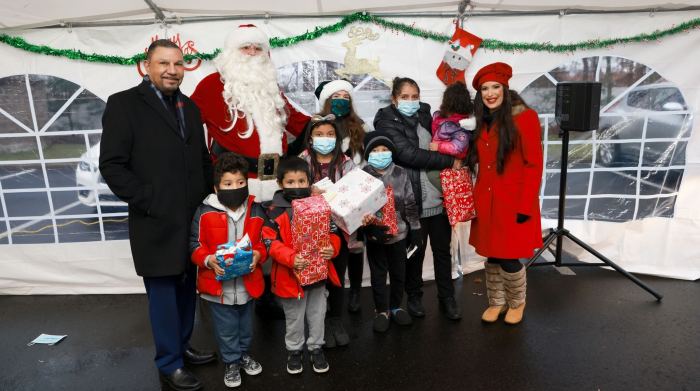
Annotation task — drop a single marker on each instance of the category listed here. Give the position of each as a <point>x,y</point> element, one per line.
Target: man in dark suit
<point>153,157</point>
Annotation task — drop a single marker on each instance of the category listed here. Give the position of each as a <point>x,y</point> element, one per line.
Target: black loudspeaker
<point>578,105</point>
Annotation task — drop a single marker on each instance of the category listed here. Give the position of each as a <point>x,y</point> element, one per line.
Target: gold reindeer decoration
<point>359,66</point>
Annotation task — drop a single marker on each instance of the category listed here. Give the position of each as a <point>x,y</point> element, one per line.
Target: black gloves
<point>414,238</point>
<point>376,233</point>
<point>521,218</point>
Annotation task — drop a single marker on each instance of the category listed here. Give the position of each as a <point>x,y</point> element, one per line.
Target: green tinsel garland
<point>276,42</point>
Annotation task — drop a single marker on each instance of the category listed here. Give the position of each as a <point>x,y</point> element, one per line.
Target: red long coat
<point>498,198</point>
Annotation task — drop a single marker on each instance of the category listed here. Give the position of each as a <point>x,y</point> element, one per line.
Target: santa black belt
<point>265,166</point>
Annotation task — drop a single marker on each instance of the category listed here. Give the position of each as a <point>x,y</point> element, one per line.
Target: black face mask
<point>296,193</point>
<point>232,198</point>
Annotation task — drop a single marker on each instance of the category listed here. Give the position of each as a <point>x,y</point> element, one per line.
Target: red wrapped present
<point>457,188</point>
<point>387,215</point>
<point>311,233</point>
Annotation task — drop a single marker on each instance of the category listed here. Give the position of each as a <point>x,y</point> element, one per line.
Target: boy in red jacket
<point>227,215</point>
<point>298,302</point>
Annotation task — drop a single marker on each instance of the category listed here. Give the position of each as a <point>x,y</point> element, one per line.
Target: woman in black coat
<point>407,122</point>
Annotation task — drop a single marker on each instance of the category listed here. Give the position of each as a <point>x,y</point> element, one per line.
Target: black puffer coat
<point>403,132</point>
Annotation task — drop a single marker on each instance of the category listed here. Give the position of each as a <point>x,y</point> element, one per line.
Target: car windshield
<point>654,98</point>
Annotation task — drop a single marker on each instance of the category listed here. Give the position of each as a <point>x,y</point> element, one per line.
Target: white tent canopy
<point>643,216</point>
<point>33,14</point>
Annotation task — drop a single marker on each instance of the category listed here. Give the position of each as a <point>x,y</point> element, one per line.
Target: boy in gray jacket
<point>387,253</point>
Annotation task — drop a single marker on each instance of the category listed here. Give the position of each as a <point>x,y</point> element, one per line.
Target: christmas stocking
<point>458,56</point>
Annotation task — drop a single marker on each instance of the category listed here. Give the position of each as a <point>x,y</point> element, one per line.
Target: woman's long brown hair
<point>503,119</point>
<point>350,125</point>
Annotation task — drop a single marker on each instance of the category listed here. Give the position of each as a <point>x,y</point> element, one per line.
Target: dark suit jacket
<point>404,135</point>
<point>163,177</point>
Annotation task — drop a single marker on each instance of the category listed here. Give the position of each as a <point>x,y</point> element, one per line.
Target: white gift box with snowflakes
<point>356,194</point>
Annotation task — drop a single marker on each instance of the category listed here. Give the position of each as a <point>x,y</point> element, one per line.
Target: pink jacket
<point>451,137</point>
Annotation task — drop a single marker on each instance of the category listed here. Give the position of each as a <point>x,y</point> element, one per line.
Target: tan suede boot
<point>515,285</point>
<point>495,293</point>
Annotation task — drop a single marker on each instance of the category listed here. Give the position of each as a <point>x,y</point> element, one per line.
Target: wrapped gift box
<point>311,233</point>
<point>457,194</point>
<point>387,214</point>
<point>355,195</point>
<point>235,258</point>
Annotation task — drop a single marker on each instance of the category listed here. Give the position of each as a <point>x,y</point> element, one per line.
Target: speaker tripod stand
<point>560,232</point>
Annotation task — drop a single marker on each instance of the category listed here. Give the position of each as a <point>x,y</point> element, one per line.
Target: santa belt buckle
<point>267,166</point>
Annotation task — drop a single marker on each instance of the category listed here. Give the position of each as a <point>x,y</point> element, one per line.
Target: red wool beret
<point>498,71</point>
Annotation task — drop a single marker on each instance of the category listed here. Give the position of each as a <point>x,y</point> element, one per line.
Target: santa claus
<point>244,110</point>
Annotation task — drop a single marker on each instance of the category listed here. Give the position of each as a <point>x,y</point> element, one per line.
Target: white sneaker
<point>232,375</point>
<point>250,366</point>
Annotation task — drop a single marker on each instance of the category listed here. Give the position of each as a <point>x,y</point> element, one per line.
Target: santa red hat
<point>499,72</point>
<point>246,34</point>
<point>328,88</point>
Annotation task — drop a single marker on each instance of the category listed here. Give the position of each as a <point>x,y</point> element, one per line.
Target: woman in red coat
<point>508,150</point>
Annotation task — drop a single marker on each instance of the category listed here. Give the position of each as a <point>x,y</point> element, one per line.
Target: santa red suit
<point>245,113</point>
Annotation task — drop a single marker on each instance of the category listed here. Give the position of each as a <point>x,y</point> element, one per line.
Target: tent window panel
<point>614,182</point>
<point>14,99</point>
<point>611,209</point>
<point>68,203</point>
<point>574,208</point>
<point>19,148</point>
<point>21,176</point>
<point>78,230</point>
<point>576,183</point>
<point>63,147</point>
<point>658,207</point>
<point>27,204</point>
<point>116,228</point>
<point>32,231</point>
<point>660,182</point>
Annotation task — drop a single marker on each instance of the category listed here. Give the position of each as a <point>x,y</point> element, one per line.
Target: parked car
<point>625,121</point>
<point>87,174</point>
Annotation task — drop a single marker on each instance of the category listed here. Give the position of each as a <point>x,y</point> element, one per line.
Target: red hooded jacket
<point>209,230</point>
<point>277,235</point>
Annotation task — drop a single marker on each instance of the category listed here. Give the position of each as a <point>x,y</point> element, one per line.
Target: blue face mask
<point>408,107</point>
<point>323,145</point>
<point>379,160</point>
<point>340,107</point>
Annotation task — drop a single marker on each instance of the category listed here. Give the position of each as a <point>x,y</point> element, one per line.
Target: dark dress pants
<point>171,306</point>
<point>438,229</point>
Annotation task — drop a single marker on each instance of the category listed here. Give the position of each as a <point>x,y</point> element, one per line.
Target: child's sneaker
<point>232,375</point>
<point>401,317</point>
<point>294,364</point>
<point>318,361</point>
<point>381,322</point>
<point>250,366</point>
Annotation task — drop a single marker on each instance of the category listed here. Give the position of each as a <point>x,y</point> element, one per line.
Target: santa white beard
<point>250,86</point>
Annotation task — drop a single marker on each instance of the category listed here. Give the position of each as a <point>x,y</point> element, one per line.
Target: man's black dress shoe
<point>182,380</point>
<point>196,357</point>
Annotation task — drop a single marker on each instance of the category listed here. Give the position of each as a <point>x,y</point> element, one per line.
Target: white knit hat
<point>331,87</point>
<point>246,34</point>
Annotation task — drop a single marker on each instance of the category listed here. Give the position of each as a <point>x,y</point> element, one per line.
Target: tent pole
<point>472,14</point>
